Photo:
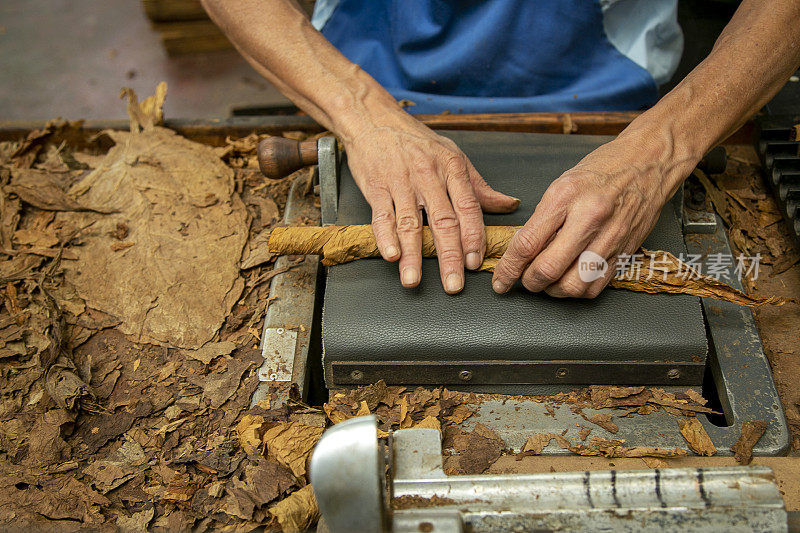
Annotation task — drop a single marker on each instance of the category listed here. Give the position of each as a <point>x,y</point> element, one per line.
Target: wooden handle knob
<point>279,157</point>
<point>715,161</point>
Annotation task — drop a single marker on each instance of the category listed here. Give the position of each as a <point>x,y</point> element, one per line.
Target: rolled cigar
<point>341,244</point>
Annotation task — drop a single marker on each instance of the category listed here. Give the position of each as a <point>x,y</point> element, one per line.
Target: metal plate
<point>291,311</point>
<point>277,347</point>
<point>516,372</point>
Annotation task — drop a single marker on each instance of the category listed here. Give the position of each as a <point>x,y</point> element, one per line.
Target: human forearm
<point>609,202</point>
<point>400,165</point>
<point>280,43</point>
<point>750,62</point>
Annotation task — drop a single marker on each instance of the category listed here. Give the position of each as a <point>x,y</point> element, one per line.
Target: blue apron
<point>490,56</point>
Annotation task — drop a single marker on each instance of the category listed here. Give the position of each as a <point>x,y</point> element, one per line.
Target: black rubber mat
<point>374,329</point>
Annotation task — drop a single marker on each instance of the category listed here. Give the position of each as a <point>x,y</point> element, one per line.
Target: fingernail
<point>499,287</point>
<point>453,283</point>
<point>473,260</point>
<point>409,276</point>
<point>392,251</point>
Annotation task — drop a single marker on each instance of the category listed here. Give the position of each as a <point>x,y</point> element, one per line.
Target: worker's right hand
<point>402,167</point>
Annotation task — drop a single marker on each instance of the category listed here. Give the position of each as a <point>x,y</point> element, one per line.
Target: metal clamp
<point>347,476</point>
<point>328,155</point>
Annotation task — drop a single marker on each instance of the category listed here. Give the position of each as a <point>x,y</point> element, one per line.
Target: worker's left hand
<point>607,204</point>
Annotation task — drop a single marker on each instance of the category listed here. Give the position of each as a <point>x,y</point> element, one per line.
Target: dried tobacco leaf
<point>598,446</point>
<point>291,444</point>
<point>671,275</point>
<point>210,351</point>
<point>159,184</point>
<point>429,422</point>
<point>476,450</point>
<point>696,436</point>
<point>613,448</point>
<point>655,462</point>
<point>298,512</point>
<point>218,387</point>
<point>535,444</point>
<point>668,400</point>
<point>136,522</point>
<point>42,189</point>
<point>604,421</point>
<point>46,442</point>
<point>610,396</point>
<point>250,430</point>
<point>751,433</point>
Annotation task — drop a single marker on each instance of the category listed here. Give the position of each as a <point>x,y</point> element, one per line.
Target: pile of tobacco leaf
<point>134,278</point>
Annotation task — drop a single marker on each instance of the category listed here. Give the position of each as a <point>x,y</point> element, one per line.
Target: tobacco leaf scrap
<point>696,436</point>
<point>298,512</point>
<point>535,444</point>
<point>604,421</point>
<point>598,446</point>
<point>751,433</point>
<point>673,276</point>
<point>136,522</point>
<point>291,445</point>
<point>41,189</point>
<point>476,451</point>
<point>211,351</point>
<point>655,462</point>
<point>613,448</point>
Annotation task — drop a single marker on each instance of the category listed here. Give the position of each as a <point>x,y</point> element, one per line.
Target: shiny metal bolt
<point>561,373</point>
<point>356,375</point>
<point>465,375</point>
<point>674,374</point>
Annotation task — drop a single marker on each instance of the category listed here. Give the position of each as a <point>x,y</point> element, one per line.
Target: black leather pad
<point>374,329</point>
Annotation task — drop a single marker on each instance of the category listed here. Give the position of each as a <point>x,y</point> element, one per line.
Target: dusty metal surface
<point>278,346</point>
<point>346,479</point>
<point>739,367</point>
<point>698,221</point>
<point>288,323</point>
<point>707,499</point>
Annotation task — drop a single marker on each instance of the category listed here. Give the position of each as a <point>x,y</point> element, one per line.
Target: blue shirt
<point>480,56</point>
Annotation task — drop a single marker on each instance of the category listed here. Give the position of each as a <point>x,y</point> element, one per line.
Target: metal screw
<point>465,375</point>
<point>674,374</point>
<point>697,199</point>
<point>356,375</point>
<point>562,373</point>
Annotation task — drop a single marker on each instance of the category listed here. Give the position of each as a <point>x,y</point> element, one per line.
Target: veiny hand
<point>606,204</point>
<point>406,167</point>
